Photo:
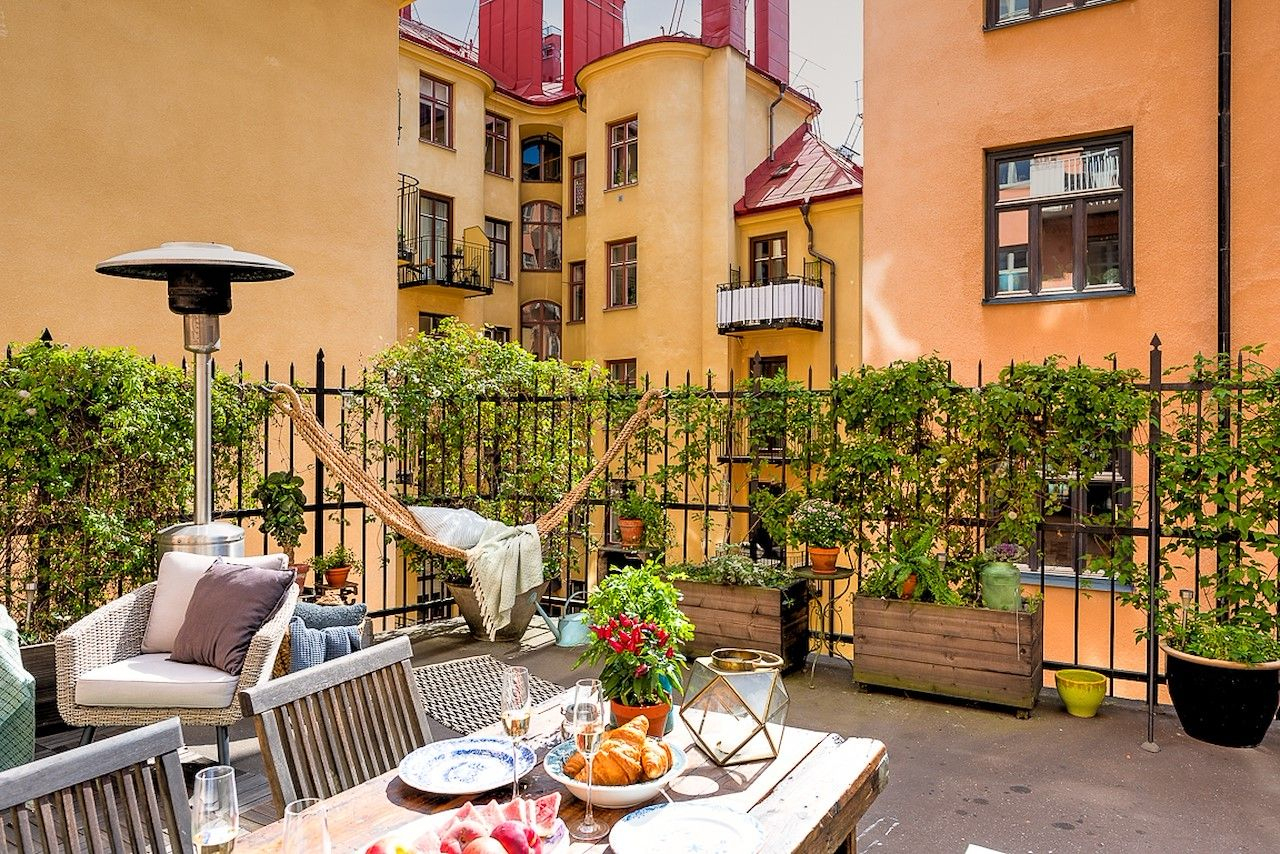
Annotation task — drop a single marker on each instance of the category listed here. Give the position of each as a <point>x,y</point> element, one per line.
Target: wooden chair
<point>327,728</point>
<point>105,797</point>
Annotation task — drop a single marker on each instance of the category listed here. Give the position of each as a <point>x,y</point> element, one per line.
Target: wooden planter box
<point>38,660</point>
<point>967,653</point>
<point>763,618</point>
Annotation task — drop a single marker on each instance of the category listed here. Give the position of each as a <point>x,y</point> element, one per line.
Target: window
<point>501,334</point>
<point>540,232</point>
<point>1060,220</point>
<point>1000,12</point>
<point>578,185</point>
<point>497,145</point>
<point>435,232</point>
<point>769,258</point>
<point>540,328</point>
<point>624,153</point>
<point>769,443</point>
<point>577,291</point>
<point>1067,551</point>
<point>499,233</point>
<point>429,323</point>
<point>622,273</point>
<point>622,372</point>
<point>540,159</point>
<point>435,111</point>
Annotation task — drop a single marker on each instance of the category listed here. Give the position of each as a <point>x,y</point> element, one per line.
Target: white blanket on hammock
<point>504,562</point>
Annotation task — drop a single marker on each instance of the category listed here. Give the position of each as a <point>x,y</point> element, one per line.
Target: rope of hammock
<point>393,512</point>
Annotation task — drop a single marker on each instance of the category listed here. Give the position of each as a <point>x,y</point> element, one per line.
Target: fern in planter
<point>912,571</point>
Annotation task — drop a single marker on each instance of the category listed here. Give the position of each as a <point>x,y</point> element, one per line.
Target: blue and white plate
<point>686,828</point>
<point>464,766</point>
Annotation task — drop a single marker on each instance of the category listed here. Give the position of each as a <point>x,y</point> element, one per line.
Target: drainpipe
<point>782,91</point>
<point>1224,181</point>
<point>824,259</point>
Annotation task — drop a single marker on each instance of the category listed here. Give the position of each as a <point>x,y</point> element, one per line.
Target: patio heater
<point>199,277</point>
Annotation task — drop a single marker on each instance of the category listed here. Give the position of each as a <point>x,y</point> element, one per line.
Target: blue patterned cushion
<point>324,616</point>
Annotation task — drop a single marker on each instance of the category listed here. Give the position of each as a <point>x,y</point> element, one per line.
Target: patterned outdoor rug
<point>466,694</point>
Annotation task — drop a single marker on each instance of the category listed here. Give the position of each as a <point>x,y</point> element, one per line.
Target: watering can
<point>569,630</point>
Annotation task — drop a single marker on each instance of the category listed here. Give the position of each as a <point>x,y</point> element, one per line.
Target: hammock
<point>393,512</point>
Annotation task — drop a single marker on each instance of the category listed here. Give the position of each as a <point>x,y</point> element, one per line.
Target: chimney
<point>511,43</point>
<point>551,57</point>
<point>773,38</point>
<point>592,28</point>
<point>724,22</point>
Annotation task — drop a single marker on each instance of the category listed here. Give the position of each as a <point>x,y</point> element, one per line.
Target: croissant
<point>626,756</point>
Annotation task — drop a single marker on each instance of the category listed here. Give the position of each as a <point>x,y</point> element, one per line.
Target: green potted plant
<point>735,601</point>
<point>824,528</point>
<point>283,515</point>
<point>636,630</point>
<point>336,565</point>
<point>641,520</point>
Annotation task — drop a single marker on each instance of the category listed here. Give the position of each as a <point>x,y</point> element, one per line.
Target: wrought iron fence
<point>701,455</point>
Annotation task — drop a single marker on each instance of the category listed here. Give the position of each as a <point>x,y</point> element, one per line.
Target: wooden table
<point>809,799</point>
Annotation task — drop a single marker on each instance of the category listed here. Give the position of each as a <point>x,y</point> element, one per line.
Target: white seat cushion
<point>175,582</point>
<point>153,681</point>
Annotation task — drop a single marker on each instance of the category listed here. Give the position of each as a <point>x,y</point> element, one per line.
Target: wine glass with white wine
<point>517,711</point>
<point>215,813</point>
<point>586,718</point>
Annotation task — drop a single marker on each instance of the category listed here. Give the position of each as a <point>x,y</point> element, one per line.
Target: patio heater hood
<point>199,277</point>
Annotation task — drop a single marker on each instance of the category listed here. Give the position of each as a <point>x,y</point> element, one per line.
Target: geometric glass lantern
<point>735,705</point>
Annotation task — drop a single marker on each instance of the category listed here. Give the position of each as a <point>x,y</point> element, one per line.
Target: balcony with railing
<point>446,263</point>
<point>783,302</point>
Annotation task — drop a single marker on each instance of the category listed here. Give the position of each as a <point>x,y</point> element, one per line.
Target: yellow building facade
<point>624,231</point>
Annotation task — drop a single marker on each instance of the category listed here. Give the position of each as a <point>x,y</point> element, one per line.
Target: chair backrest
<point>122,794</point>
<point>327,728</point>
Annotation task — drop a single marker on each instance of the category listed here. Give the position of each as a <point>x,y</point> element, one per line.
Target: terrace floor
<point>961,774</point>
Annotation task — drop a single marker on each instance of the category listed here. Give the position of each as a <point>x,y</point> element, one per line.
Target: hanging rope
<point>393,512</point>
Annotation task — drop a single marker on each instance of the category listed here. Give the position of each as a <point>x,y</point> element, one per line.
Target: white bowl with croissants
<point>630,768</point>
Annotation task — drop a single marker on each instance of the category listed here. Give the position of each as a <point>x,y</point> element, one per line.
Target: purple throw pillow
<point>229,605</point>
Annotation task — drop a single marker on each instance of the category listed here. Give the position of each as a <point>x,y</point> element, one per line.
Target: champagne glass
<point>517,710</point>
<point>306,827</point>
<point>215,813</point>
<point>586,723</point>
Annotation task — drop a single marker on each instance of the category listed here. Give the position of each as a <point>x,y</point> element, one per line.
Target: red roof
<point>804,168</point>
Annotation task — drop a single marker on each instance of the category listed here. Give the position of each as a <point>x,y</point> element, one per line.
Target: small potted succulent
<point>1001,589</point>
<point>336,565</point>
<point>283,515</point>
<point>824,528</point>
<point>636,630</point>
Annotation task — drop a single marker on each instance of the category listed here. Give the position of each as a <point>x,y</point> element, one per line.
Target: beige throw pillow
<point>175,582</point>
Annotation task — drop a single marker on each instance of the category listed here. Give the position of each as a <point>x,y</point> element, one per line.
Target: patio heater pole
<point>1153,541</point>
<point>199,276</point>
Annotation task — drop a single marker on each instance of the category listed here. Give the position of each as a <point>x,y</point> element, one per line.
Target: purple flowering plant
<point>1005,553</point>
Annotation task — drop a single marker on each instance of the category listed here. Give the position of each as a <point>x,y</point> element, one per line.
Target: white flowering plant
<point>817,522</point>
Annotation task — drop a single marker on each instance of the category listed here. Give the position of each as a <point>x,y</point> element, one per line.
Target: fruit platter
<point>519,826</point>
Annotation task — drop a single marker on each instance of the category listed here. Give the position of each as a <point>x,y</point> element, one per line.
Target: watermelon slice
<point>428,840</point>
<point>490,814</point>
<point>515,810</point>
<point>545,811</point>
<point>450,846</point>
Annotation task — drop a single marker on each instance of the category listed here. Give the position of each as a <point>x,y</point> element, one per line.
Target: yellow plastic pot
<point>1082,691</point>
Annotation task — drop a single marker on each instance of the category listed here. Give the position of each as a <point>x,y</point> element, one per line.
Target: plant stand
<point>826,615</point>
<point>966,653</point>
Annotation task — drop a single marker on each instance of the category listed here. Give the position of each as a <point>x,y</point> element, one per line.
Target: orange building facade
<point>1042,178</point>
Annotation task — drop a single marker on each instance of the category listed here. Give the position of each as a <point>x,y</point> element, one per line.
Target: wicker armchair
<point>114,633</point>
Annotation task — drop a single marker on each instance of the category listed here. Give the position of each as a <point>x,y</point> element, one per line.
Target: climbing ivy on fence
<point>95,457</point>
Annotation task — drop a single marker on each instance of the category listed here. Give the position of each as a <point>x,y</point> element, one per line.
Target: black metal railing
<point>447,263</point>
<point>408,199</point>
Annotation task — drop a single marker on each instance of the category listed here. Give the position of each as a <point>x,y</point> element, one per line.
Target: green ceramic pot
<point>1082,691</point>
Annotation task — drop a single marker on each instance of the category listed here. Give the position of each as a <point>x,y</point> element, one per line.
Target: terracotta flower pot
<point>631,531</point>
<point>301,569</point>
<point>657,715</point>
<point>336,576</point>
<point>822,559</point>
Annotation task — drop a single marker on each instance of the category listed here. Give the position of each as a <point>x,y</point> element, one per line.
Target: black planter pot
<point>1222,702</point>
